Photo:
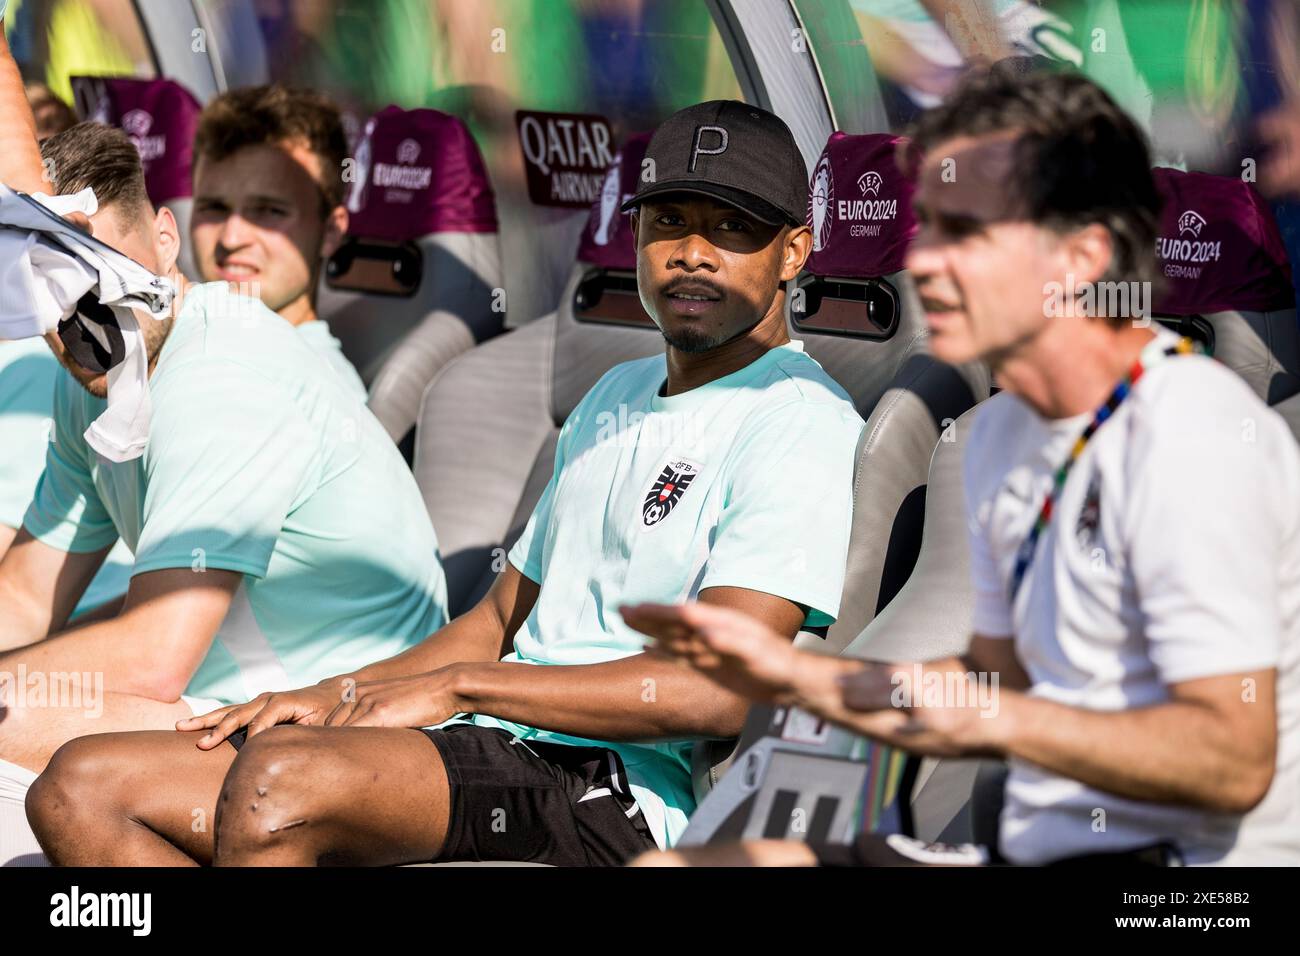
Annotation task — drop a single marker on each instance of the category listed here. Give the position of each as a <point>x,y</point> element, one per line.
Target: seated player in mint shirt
<point>535,726</point>
<point>262,463</point>
<point>690,499</point>
<point>269,217</point>
<point>279,536</point>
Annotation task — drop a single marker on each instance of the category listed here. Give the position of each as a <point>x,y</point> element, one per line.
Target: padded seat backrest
<point>418,280</point>
<point>1225,268</point>
<point>160,117</point>
<point>931,618</point>
<point>858,314</point>
<point>485,444</point>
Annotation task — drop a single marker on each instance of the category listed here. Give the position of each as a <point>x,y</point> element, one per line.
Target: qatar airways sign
<point>566,156</point>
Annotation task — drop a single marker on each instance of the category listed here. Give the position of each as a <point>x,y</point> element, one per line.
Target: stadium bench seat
<point>418,279</point>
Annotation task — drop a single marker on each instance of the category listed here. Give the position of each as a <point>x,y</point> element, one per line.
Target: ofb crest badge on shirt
<point>667,490</point>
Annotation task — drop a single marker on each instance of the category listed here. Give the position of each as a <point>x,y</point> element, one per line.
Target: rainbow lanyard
<point>1025,555</point>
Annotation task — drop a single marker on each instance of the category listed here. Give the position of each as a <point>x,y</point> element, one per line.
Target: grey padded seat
<point>399,344</point>
<point>1262,347</point>
<point>861,318</point>
<point>908,398</point>
<point>419,279</point>
<point>930,618</point>
<point>507,399</point>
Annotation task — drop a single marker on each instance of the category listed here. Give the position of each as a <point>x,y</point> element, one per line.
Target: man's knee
<point>78,782</point>
<point>272,794</point>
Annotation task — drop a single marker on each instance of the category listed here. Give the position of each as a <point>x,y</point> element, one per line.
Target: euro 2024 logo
<point>819,204</point>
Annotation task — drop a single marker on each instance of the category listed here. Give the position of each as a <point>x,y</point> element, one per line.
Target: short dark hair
<point>275,115</point>
<point>103,158</point>
<point>1083,158</point>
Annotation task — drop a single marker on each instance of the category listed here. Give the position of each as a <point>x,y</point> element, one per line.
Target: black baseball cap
<point>740,154</point>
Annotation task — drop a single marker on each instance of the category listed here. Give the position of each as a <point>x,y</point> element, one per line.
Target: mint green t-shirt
<point>28,371</point>
<point>318,335</point>
<point>744,482</point>
<point>261,461</point>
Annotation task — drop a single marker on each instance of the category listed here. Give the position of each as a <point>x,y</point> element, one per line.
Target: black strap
<point>83,345</point>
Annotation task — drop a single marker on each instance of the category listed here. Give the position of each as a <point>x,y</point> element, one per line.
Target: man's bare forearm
<point>474,637</point>
<point>131,660</point>
<point>20,157</point>
<point>483,633</point>
<point>1176,752</point>
<point>635,698</point>
<point>1183,751</point>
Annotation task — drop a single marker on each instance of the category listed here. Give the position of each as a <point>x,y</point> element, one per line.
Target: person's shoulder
<point>217,322</point>
<point>1001,423</point>
<point>1195,406</point>
<point>795,395</point>
<point>1194,399</point>
<point>220,332</point>
<point>1187,385</point>
<point>816,421</point>
<point>30,352</point>
<point>797,376</point>
<point>999,410</point>
<point>617,384</point>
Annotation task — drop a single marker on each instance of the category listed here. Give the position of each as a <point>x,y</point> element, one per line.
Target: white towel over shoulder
<point>46,266</point>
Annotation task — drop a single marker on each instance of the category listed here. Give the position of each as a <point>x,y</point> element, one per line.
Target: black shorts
<point>533,802</point>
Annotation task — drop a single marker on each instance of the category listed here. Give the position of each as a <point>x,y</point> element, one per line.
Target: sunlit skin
<point>154,242</point>
<point>982,270</point>
<point>733,267</point>
<point>260,218</point>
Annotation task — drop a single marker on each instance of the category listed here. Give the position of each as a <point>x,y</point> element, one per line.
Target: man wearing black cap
<point>721,472</point>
